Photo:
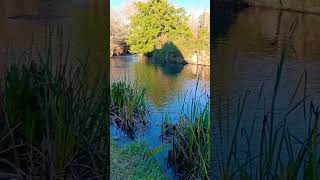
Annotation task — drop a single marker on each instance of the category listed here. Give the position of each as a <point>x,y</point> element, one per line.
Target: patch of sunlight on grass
<point>130,163</point>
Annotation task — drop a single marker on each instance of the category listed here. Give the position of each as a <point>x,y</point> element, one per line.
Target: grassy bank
<point>127,111</point>
<point>188,140</point>
<point>130,162</point>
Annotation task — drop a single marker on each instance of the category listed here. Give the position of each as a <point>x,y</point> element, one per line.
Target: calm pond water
<point>247,50</point>
<point>167,88</point>
<point>82,23</point>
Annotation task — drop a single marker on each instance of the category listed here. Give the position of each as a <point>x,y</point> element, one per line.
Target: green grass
<point>131,162</point>
<point>128,105</point>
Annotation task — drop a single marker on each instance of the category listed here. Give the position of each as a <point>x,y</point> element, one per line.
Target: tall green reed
<point>128,105</point>
<point>190,145</point>
<point>55,118</point>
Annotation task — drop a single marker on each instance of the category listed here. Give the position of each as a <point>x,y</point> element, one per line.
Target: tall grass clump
<point>55,121</point>
<point>280,153</point>
<point>190,153</point>
<point>128,106</point>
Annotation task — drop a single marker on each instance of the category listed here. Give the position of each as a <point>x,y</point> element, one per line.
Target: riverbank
<point>193,60</point>
<point>130,162</point>
<point>166,86</point>
<point>292,5</point>
<point>306,6</point>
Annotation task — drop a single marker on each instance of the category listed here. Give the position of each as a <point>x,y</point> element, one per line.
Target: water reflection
<point>167,88</point>
<point>246,57</point>
<point>82,23</point>
<point>163,81</point>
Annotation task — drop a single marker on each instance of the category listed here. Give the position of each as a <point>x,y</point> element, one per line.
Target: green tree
<point>155,23</point>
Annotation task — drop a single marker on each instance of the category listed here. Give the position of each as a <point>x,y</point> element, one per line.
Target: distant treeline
<point>118,37</point>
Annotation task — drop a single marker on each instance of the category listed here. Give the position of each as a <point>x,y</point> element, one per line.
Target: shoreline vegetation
<point>188,139</point>
<point>274,151</point>
<point>190,142</point>
<point>53,126</point>
<point>128,107</point>
<point>304,6</point>
<point>160,33</point>
<point>168,36</point>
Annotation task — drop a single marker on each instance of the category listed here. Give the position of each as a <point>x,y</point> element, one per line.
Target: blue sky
<point>190,5</point>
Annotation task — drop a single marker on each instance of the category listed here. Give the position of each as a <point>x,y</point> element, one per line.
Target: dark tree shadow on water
<point>172,69</point>
<point>223,19</point>
<point>168,58</point>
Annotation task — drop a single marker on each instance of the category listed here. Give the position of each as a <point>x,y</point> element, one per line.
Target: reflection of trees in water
<point>160,85</point>
<point>191,71</point>
<point>267,29</point>
<point>243,53</point>
<point>165,80</point>
<point>246,57</point>
<point>223,18</point>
